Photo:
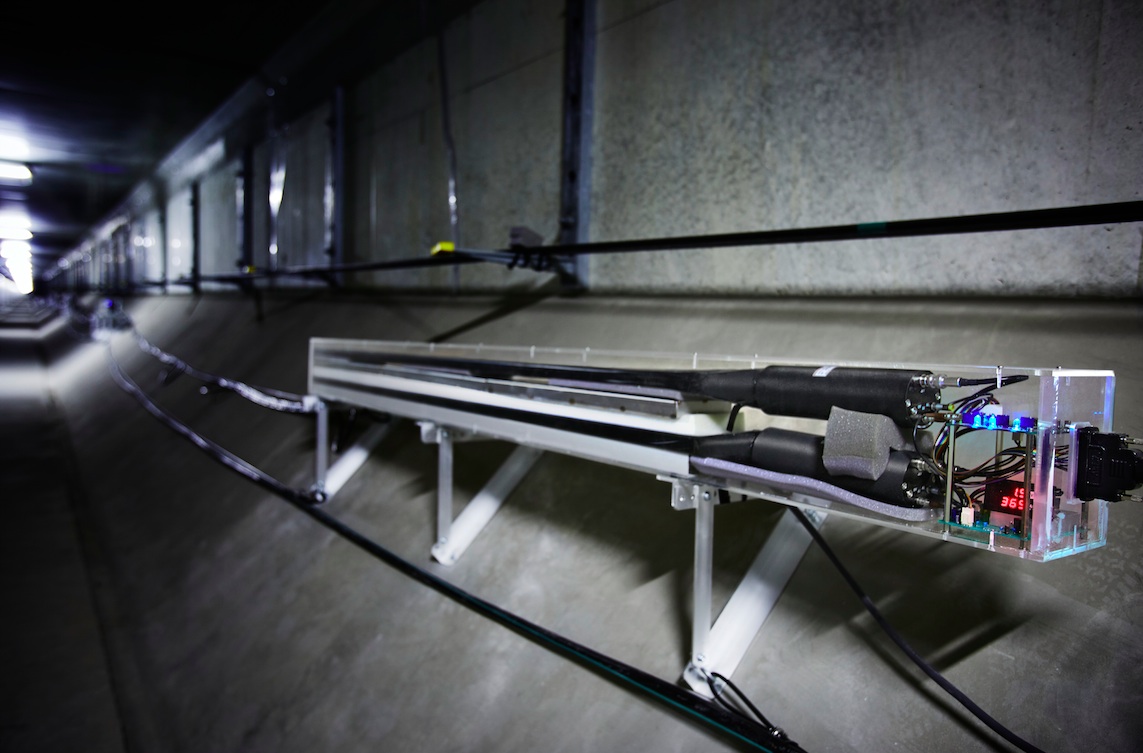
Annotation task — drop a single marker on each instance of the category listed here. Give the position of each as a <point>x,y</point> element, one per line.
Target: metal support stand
<point>455,536</point>
<point>720,648</point>
<point>352,459</point>
<point>321,453</point>
<point>328,479</point>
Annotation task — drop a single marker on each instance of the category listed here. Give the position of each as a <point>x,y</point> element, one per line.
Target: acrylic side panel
<point>994,447</point>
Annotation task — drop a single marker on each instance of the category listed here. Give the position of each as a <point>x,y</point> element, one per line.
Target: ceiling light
<point>14,172</point>
<point>13,147</point>
<point>10,233</point>
<point>15,218</point>
<point>15,250</point>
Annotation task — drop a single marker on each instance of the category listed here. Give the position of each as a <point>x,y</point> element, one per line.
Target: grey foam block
<point>858,444</point>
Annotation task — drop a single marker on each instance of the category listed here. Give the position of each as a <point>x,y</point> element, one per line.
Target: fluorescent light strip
<point>15,172</point>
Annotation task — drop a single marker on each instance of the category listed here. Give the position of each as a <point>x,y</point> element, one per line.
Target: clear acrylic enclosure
<point>1008,433</point>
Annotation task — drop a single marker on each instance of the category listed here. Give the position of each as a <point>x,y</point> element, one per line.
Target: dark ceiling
<point>103,93</point>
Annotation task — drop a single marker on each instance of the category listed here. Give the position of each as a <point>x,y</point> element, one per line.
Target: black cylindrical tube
<point>811,392</point>
<point>796,391</point>
<point>799,454</point>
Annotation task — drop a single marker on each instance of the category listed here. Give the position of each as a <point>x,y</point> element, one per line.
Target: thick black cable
<point>745,699</point>
<point>712,677</point>
<point>451,259</point>
<point>540,257</point>
<point>897,638</point>
<point>689,703</point>
<point>1092,214</point>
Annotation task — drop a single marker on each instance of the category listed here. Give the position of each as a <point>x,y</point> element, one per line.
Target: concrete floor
<point>227,621</point>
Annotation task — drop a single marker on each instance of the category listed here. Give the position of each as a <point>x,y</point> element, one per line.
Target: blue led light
<point>998,422</point>
<point>992,421</point>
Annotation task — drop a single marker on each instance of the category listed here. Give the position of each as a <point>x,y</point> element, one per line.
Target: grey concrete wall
<point>179,236</point>
<point>302,226</point>
<point>733,116</point>
<point>729,116</point>
<point>218,220</point>
<point>504,73</point>
<point>150,247</point>
<point>739,115</point>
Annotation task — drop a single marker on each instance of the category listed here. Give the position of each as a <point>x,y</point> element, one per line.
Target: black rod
<point>246,210</point>
<point>578,109</point>
<point>339,132</point>
<point>539,256</point>
<point>377,266</point>
<point>196,238</point>
<point>1093,214</point>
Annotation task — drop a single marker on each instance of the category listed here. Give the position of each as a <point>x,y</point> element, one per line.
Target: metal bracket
<point>721,647</point>
<point>321,451</point>
<point>455,536</point>
<point>328,479</point>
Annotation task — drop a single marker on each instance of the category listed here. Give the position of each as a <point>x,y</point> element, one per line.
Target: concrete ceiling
<point>102,97</point>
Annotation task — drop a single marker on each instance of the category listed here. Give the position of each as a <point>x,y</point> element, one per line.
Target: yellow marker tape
<point>444,247</point>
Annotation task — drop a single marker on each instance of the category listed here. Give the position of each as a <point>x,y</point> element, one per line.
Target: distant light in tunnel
<point>15,249</point>
<point>14,234</point>
<point>17,255</point>
<point>15,173</point>
<point>14,226</point>
<point>13,146</point>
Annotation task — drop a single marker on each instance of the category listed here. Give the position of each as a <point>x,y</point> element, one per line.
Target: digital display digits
<point>1006,496</point>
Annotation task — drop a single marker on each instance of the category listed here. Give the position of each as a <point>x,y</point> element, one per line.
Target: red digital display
<point>1006,496</point>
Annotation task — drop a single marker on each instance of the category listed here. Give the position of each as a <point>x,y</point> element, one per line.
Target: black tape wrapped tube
<point>810,392</point>
<point>795,391</point>
<point>799,454</point>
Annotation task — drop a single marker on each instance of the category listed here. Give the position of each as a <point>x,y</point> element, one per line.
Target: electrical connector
<point>1106,468</point>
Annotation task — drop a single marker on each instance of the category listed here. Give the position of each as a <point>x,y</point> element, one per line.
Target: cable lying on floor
<point>272,399</point>
<point>111,316</point>
<point>897,638</point>
<point>763,737</point>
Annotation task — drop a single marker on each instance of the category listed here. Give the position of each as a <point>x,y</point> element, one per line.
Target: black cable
<point>443,260</point>
<point>989,389</point>
<point>723,494</point>
<point>744,698</point>
<point>1094,214</point>
<point>211,448</point>
<point>1004,381</point>
<point>278,400</point>
<point>267,398</point>
<point>539,257</point>
<point>896,637</point>
<point>691,704</point>
<point>730,421</point>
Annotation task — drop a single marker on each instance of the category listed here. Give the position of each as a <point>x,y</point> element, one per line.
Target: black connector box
<point>1105,466</point>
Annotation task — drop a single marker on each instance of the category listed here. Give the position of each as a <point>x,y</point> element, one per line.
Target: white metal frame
<point>720,647</point>
<point>717,647</point>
